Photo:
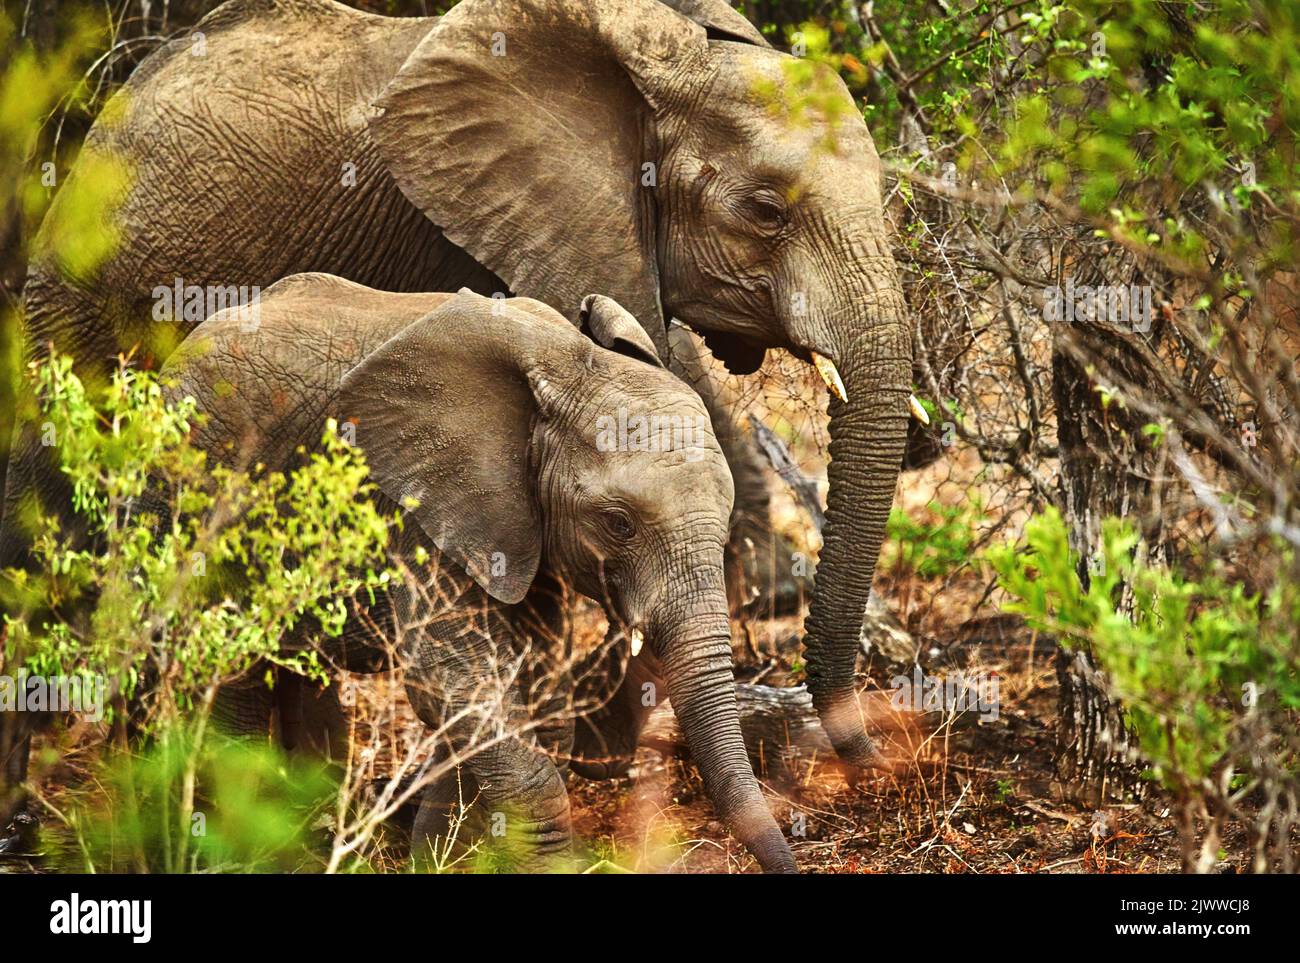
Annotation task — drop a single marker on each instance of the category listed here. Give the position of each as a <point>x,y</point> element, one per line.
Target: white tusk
<point>918,410</point>
<point>637,640</point>
<point>826,368</point>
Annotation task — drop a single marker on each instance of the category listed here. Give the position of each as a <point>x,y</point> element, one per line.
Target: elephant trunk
<point>868,435</point>
<point>696,659</point>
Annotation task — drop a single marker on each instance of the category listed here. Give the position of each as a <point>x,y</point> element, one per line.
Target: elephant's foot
<point>448,823</point>
<point>522,822</point>
<point>460,828</point>
<point>528,824</point>
<point>19,838</point>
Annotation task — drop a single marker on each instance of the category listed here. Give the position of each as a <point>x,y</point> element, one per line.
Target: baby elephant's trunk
<point>696,655</point>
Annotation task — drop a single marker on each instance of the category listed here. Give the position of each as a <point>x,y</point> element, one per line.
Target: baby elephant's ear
<point>444,414</point>
<point>607,323</point>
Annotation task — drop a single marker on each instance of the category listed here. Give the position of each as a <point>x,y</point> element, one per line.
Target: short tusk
<point>918,409</point>
<point>637,641</point>
<point>826,368</point>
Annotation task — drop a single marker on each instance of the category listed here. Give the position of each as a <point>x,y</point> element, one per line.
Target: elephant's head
<point>672,159</point>
<point>526,440</point>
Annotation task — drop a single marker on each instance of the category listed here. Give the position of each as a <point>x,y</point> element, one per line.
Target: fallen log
<point>785,740</point>
<point>780,726</point>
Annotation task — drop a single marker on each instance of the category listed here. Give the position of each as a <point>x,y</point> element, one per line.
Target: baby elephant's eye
<point>619,523</point>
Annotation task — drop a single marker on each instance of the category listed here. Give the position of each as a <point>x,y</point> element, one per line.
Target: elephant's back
<point>266,378</point>
<point>245,54</point>
<point>245,156</point>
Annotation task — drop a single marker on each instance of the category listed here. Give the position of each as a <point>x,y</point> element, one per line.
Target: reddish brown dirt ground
<point>968,797</point>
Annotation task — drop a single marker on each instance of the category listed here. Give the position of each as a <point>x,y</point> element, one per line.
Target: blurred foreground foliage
<point>177,577</point>
<point>41,86</point>
<point>179,571</point>
<point>255,809</point>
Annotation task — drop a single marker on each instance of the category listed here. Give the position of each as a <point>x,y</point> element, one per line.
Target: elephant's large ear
<point>520,128</point>
<point>418,406</point>
<point>607,323</point>
<point>720,20</point>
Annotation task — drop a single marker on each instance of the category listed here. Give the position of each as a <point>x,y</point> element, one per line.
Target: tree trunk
<point>1102,473</point>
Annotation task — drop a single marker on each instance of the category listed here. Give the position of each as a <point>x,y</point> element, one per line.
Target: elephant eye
<point>619,523</point>
<point>765,210</point>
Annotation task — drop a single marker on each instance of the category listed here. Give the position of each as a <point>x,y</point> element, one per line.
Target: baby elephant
<point>535,453</point>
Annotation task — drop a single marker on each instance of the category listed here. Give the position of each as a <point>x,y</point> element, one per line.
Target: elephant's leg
<point>15,748</point>
<point>554,727</point>
<point>462,681</point>
<point>526,805</point>
<point>520,790</point>
<point>448,820</point>
<point>605,740</point>
<point>542,626</point>
<point>451,809</point>
<point>245,707</point>
<point>311,717</point>
<point>759,561</point>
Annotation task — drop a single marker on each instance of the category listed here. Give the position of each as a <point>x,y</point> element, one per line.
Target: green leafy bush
<point>932,549</point>
<point>193,570</point>
<point>1208,673</point>
<point>178,576</point>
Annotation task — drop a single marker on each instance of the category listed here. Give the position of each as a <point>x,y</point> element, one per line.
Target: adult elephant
<point>663,155</point>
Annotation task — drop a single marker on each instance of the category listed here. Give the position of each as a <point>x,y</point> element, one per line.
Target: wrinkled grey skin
<point>488,412</point>
<point>405,155</point>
